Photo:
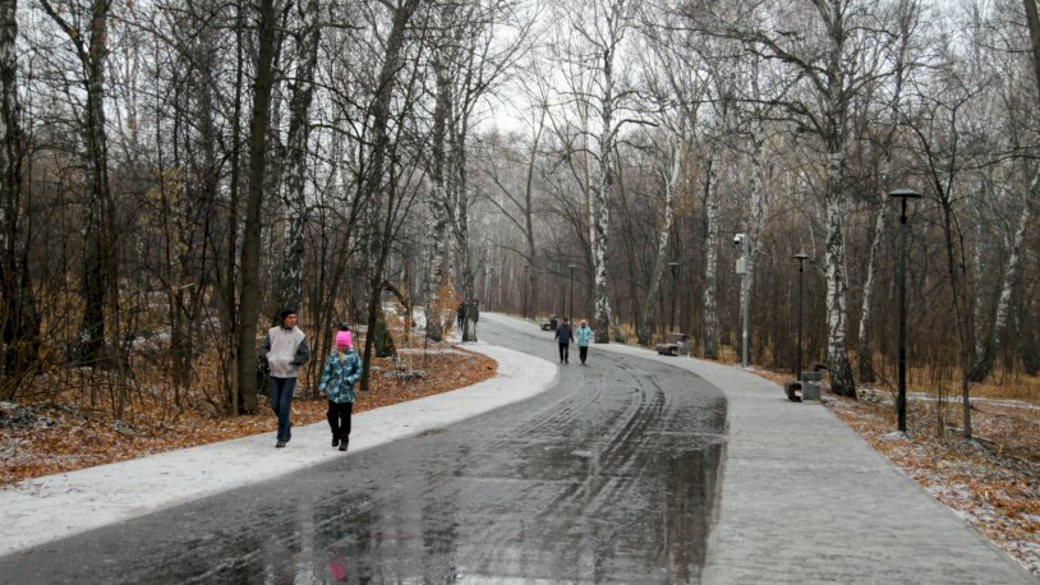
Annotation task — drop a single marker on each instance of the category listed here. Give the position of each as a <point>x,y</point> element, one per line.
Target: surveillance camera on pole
<point>738,239</point>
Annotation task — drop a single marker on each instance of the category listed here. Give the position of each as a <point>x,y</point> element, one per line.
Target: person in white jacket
<point>284,349</point>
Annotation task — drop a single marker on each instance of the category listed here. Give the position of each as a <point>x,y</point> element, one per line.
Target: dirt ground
<point>58,433</point>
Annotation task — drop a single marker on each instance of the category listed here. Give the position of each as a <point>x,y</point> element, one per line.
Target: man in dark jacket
<point>284,349</point>
<point>565,337</point>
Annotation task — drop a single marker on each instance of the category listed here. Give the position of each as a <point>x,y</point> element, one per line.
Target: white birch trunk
<point>866,367</point>
<point>758,204</point>
<point>438,317</point>
<point>711,268</point>
<point>987,356</point>
<point>842,382</point>
<point>294,196</point>
<point>671,180</point>
<point>600,203</point>
<point>977,291</point>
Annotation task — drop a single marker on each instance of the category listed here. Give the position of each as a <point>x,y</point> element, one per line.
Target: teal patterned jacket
<point>339,376</point>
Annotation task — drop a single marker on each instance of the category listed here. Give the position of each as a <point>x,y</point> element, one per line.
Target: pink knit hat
<point>343,338</point>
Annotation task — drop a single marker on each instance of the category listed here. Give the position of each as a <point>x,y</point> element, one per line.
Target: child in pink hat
<point>342,370</point>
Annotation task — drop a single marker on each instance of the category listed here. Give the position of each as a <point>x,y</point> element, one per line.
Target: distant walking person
<point>342,370</point>
<point>565,337</point>
<point>583,335</point>
<point>284,349</point>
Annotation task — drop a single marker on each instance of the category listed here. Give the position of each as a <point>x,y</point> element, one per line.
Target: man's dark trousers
<point>565,352</point>
<point>281,403</point>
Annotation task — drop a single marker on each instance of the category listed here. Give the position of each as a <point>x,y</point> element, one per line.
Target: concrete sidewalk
<point>805,500</point>
<point>44,509</point>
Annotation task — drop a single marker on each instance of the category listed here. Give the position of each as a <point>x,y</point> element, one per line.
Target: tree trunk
<point>601,203</point>
<point>372,182</point>
<point>711,264</point>
<point>760,182</point>
<point>985,359</point>
<point>437,221</point>
<point>864,353</point>
<point>249,305</point>
<point>18,313</point>
<point>296,161</point>
<point>98,265</point>
<point>670,182</point>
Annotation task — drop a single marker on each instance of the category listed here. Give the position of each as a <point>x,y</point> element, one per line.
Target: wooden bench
<point>676,345</point>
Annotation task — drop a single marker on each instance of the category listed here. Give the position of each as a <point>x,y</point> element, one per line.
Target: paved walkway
<point>804,499</point>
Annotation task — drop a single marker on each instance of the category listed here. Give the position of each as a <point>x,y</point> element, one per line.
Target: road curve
<point>610,476</point>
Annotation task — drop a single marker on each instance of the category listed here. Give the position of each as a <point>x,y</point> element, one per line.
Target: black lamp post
<point>801,257</point>
<point>570,308</point>
<point>902,195</point>
<point>675,272</point>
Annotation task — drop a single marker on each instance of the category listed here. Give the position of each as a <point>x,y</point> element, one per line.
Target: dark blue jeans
<point>281,403</point>
<point>565,352</point>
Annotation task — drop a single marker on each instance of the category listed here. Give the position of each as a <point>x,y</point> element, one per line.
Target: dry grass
<point>58,431</point>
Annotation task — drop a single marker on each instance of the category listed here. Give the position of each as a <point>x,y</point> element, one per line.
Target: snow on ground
<point>47,508</point>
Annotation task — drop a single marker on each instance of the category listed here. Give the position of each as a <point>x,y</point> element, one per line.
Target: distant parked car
<point>551,324</point>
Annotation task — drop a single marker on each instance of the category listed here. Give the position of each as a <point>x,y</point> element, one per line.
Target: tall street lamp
<point>902,194</point>
<point>570,309</point>
<point>675,272</point>
<point>801,257</point>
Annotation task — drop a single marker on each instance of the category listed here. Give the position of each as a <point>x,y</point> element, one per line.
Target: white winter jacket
<point>284,350</point>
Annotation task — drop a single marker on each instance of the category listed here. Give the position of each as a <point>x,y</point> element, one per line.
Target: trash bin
<point>811,382</point>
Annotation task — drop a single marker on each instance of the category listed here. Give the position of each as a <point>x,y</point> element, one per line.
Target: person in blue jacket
<point>342,370</point>
<point>583,335</point>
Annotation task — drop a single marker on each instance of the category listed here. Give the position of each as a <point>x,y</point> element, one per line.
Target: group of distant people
<point>283,350</point>
<point>566,336</point>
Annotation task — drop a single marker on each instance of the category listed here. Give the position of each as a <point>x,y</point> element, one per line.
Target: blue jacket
<point>583,336</point>
<point>339,376</point>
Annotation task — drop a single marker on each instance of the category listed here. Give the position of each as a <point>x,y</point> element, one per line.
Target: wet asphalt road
<point>611,476</point>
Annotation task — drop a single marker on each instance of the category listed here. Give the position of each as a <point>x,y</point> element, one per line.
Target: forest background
<point>174,171</point>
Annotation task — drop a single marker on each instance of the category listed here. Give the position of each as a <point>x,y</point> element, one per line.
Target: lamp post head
<point>801,257</point>
<point>904,193</point>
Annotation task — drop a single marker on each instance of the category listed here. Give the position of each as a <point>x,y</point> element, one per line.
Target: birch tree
<point>837,53</point>
<point>601,28</point>
<point>378,121</point>
<point>907,19</point>
<point>987,356</point>
<point>302,87</point>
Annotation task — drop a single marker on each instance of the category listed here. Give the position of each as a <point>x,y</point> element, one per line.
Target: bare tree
<point>249,300</point>
<point>100,280</point>
<point>19,317</point>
